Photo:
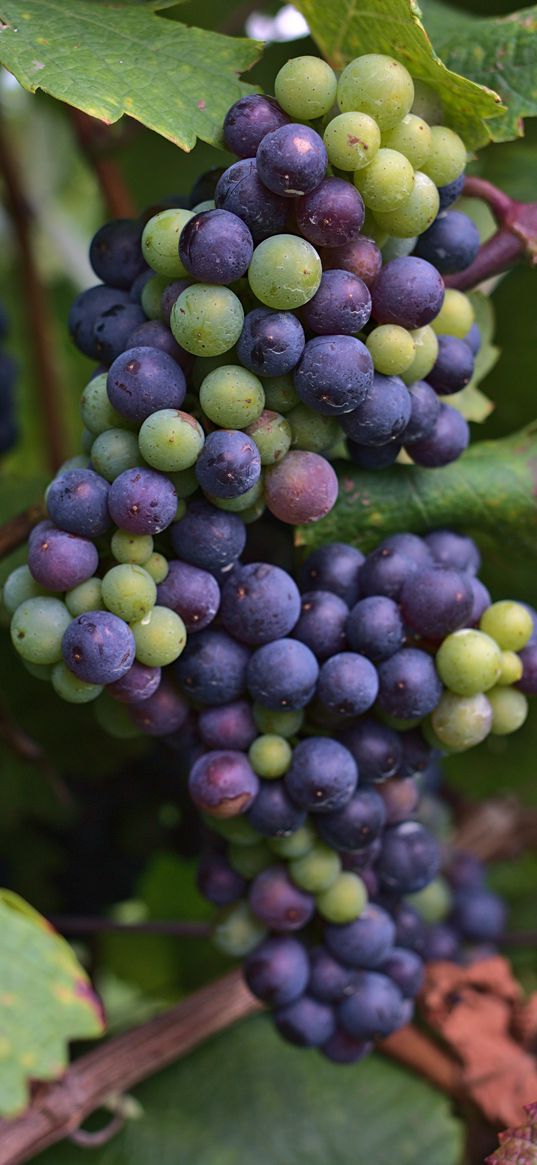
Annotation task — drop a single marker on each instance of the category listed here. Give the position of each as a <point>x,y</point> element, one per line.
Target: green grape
<point>160,242</point>
<point>207,320</point>
<point>411,137</point>
<point>185,482</point>
<point>244,502</point>
<point>254,512</point>
<point>427,104</point>
<point>129,592</point>
<point>285,271</point>
<point>511,668</point>
<point>151,297</point>
<point>249,860</point>
<point>233,829</point>
<point>392,349</point>
<point>131,547</point>
<point>280,394</point>
<point>433,902</point>
<point>114,451</point>
<point>416,213</point>
<point>377,85</point>
<point>87,596</point>
<point>270,755</point>
<point>160,637</point>
<point>351,140</point>
<point>456,315</point>
<point>425,354</point>
<point>37,629</point>
<point>372,230</point>
<point>19,586</point>
<point>208,204</point>
<point>272,435</point>
<point>86,440</point>
<point>157,566</point>
<point>386,182</point>
<point>70,688</point>
<point>115,718</point>
<point>232,397</point>
<point>95,408</point>
<point>509,623</point>
<point>40,671</point>
<point>397,248</point>
<point>305,87</point>
<point>468,662</point>
<point>282,723</point>
<point>312,431</point>
<point>460,722</point>
<point>171,440</point>
<point>205,364</point>
<point>509,710</point>
<point>317,869</point>
<point>296,845</point>
<point>447,156</point>
<point>238,931</point>
<point>344,900</point>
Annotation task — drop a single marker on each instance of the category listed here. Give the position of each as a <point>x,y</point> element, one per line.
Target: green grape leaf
<point>46,1002</point>
<point>246,1087</point>
<point>125,59</point>
<point>471,402</point>
<point>343,29</point>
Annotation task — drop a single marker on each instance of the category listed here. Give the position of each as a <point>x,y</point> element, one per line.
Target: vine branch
<point>15,531</point>
<point>515,239</point>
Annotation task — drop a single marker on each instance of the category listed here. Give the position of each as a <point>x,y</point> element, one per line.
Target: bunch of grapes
<point>8,376</point>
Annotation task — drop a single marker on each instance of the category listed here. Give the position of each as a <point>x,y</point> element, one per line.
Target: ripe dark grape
<point>137,685</point>
<point>274,813</point>
<point>528,657</point>
<point>222,783</point>
<point>321,624</point>
<point>454,366</point>
<point>373,457</point>
<point>260,603</point>
<point>374,627</point>
<point>449,438</point>
<point>334,567</point>
<point>373,1009</point>
<point>451,243</point>
<point>375,747</point>
<point>98,647</point>
<point>142,501</point>
<point>332,214</point>
<point>385,572</point>
<point>283,674</point>
<point>163,712</point>
<point>156,334</point>
<point>361,257</point>
<point>229,464</point>
<point>247,122</point>
<point>143,380</point>
<point>291,160</point>
<point>192,593</point>
<point>216,246</point>
<point>479,915</point>
<point>342,1048</point>
<point>277,902</point>
<point>277,971</point>
<point>409,857</point>
<point>86,310</point>
<point>409,687</point>
<point>218,882</point>
<point>348,684</point>
<point>228,726</point>
<point>365,942</point>
<point>112,329</point>
<point>450,192</point>
<point>384,414</point>
<point>323,775</point>
<point>301,488</point>
<point>305,1022</point>
<point>357,825</point>
<point>340,306</point>
<point>212,668</point>
<point>271,342</point>
<point>424,410</point>
<point>329,980</point>
<point>241,191</point>
<point>334,375</point>
<point>60,561</point>
<point>115,253</point>
<point>409,292</point>
<point>437,602</point>
<point>208,537</point>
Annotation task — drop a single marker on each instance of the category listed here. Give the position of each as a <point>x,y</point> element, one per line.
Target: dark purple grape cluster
<point>8,377</point>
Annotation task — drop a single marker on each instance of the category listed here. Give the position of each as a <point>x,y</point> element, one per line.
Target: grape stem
<point>93,138</point>
<point>15,531</point>
<point>514,241</point>
<point>57,1110</point>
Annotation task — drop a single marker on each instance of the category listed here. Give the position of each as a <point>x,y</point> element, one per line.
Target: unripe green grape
<point>157,566</point>
<point>86,440</point>
<point>460,722</point>
<point>317,869</point>
<point>312,431</point>
<point>232,397</point>
<point>386,182</point>
<point>19,586</point>
<point>134,548</point>
<point>151,296</point>
<point>171,440</point>
<point>208,204</point>
<point>254,512</point>
<point>115,718</point>
<point>456,315</point>
<point>397,248</point>
<point>285,272</point>
<point>297,844</point>
<point>71,688</point>
<point>244,502</point>
<point>372,230</point>
<point>411,137</point>
<point>37,629</point>
<point>509,710</point>
<point>80,461</point>
<point>185,482</point>
<point>392,349</point>
<point>433,902</point>
<point>238,932</point>
<point>305,87</point>
<point>281,723</point>
<point>249,860</point>
<point>509,623</point>
<point>511,668</point>
<point>427,104</point>
<point>468,662</point>
<point>343,901</point>
<point>378,85</point>
<point>447,156</point>
<point>351,140</point>
<point>113,452</point>
<point>270,755</point>
<point>129,592</point>
<point>87,596</point>
<point>205,364</point>
<point>95,408</point>
<point>160,242</point>
<point>233,829</point>
<point>207,320</point>
<point>272,435</point>
<point>280,394</point>
<point>160,637</point>
<point>415,214</point>
<point>425,354</point>
<point>40,671</point>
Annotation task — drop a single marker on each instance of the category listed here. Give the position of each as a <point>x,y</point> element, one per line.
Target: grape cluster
<point>8,376</point>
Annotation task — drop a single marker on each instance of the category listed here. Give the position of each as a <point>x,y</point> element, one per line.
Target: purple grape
<point>409,859</point>
<point>271,342</point>
<point>282,675</point>
<point>260,603</point>
<point>481,600</point>
<point>59,561</point>
<point>247,122</point>
<point>385,572</point>
<point>321,624</point>
<point>441,943</point>
<point>401,797</point>
<point>302,488</point>
<point>277,902</point>
<point>222,783</point>
<point>85,311</point>
<point>357,825</point>
<point>138,284</point>
<point>334,375</point>
<point>216,246</point>
<point>450,192</point>
<point>162,713</point>
<point>143,380</point>
<point>449,438</point>
<point>364,942</point>
<point>451,243</point>
<point>348,684</point>
<point>361,257</point>
<point>342,1048</point>
<point>528,682</point>
<point>409,685</point>
<point>115,252</point>
<point>322,776</point>
<point>411,546</point>
<point>410,929</point>
<point>479,915</point>
<point>375,747</point>
<point>192,593</point>
<point>241,191</point>
<point>171,293</point>
<point>332,214</point>
<point>373,457</point>
<point>373,1009</point>
<point>77,501</point>
<point>334,567</point>
<point>205,186</point>
<point>212,668</point>
<point>409,292</point>
<point>229,464</point>
<point>142,501</point>
<point>112,329</point>
<point>305,1022</point>
<point>384,414</point>
<point>329,980</point>
<point>291,160</point>
<point>217,881</point>
<point>273,813</point>
<point>416,753</point>
<point>98,647</point>
<point>465,871</point>
<point>340,306</point>
<point>208,537</point>
<point>229,726</point>
<point>277,970</point>
<point>454,551</point>
<point>155,334</point>
<point>473,339</point>
<point>138,684</point>
<point>436,602</point>
<point>453,368</point>
<point>424,410</point>
<point>374,627</point>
